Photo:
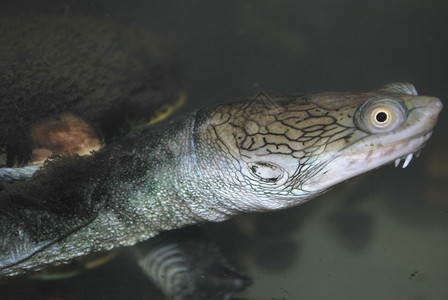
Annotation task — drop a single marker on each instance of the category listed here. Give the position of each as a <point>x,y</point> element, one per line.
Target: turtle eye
<point>381,115</point>
<point>266,171</point>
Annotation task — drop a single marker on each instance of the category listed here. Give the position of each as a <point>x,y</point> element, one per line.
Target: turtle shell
<point>74,83</point>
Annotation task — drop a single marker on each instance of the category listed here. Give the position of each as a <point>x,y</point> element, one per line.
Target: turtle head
<point>286,150</point>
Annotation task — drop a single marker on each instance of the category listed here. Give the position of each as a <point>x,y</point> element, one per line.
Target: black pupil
<point>381,117</point>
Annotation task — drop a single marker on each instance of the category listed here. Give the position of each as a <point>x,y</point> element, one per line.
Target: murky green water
<point>382,236</point>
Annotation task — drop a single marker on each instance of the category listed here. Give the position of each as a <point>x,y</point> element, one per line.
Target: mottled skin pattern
<point>294,130</point>
<point>258,155</point>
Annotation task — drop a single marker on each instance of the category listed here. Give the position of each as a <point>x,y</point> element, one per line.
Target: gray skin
<point>216,162</point>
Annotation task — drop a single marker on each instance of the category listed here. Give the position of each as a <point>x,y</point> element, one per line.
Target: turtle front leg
<point>184,264</point>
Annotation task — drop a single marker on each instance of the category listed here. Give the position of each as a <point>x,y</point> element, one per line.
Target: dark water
<point>382,236</point>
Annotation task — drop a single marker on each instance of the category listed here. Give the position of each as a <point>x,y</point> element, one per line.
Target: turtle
<point>253,154</point>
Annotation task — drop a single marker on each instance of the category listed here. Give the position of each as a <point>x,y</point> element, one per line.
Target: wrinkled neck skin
<point>189,178</point>
<point>158,180</point>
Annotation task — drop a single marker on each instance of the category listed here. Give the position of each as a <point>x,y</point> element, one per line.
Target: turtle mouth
<point>350,164</point>
<point>408,157</point>
<point>416,143</point>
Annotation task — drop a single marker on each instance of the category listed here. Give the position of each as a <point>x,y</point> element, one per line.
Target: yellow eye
<point>379,115</point>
